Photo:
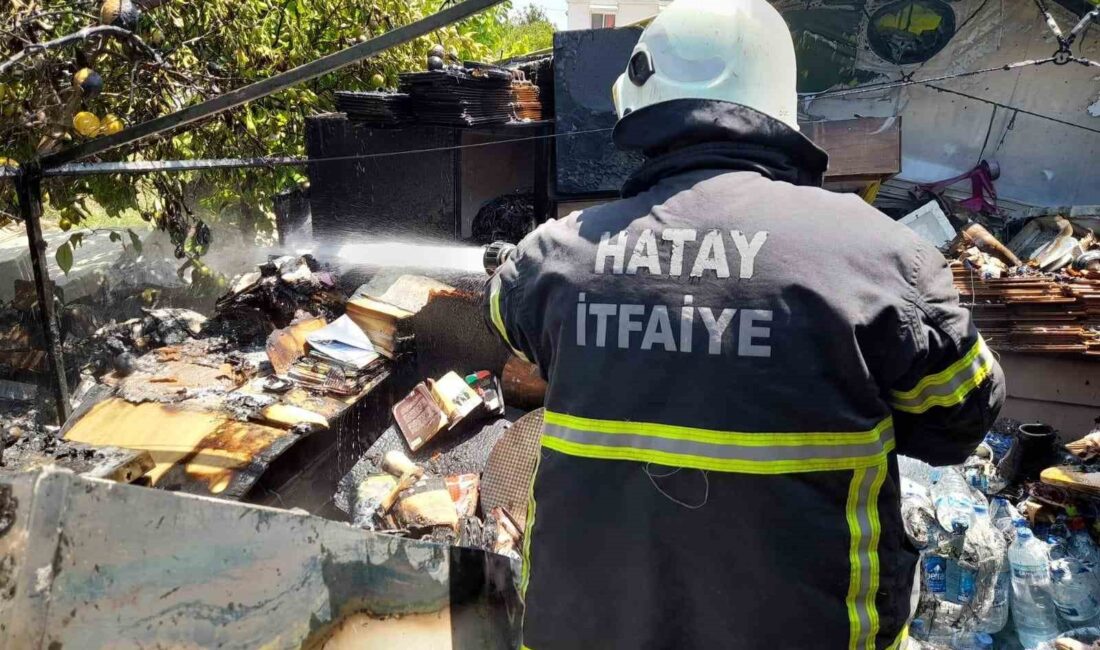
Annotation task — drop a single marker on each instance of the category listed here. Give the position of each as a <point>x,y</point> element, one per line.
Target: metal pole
<point>271,85</point>
<point>28,187</point>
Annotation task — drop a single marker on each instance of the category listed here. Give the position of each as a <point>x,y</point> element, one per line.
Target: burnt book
<point>325,376</point>
<point>433,406</point>
<point>388,327</point>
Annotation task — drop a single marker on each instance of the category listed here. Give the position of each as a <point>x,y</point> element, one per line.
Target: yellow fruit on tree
<point>86,124</point>
<point>8,162</point>
<point>377,81</point>
<point>112,124</point>
<point>65,224</point>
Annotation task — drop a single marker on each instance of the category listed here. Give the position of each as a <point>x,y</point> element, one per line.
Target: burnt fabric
<point>734,357</point>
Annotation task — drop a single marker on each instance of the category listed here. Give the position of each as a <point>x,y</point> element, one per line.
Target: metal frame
<point>28,177</point>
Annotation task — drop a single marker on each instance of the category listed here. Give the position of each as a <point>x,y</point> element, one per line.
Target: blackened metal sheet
<point>586,64</point>
<point>451,334</point>
<point>412,194</point>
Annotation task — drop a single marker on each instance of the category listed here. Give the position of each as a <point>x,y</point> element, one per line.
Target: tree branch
<point>78,36</point>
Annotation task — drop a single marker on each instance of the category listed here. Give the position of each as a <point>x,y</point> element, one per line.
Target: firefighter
<point>735,357</point>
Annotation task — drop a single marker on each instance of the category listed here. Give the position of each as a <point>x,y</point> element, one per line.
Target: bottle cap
<point>981,508</point>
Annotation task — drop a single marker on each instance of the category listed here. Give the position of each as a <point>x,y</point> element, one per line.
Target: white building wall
<point>579,13</point>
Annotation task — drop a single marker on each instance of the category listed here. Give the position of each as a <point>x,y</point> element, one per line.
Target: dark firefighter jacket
<point>734,357</point>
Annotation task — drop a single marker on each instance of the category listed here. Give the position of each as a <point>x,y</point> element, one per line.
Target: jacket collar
<point>685,135</point>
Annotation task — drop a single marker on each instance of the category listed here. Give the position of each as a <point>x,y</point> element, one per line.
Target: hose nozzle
<point>496,253</point>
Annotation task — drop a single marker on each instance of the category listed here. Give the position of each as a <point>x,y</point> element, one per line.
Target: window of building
<point>600,21</point>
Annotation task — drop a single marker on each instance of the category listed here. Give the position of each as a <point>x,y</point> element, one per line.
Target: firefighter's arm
<point>503,305</point>
<point>953,387</point>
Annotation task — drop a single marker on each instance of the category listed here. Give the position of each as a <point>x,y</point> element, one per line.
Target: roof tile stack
<point>1034,313</point>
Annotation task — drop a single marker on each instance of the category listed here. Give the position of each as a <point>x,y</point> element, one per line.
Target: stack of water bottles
<point>980,559</point>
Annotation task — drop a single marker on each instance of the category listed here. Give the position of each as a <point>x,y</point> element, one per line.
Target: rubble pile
<point>1038,293</point>
<point>26,444</point>
<point>113,346</point>
<point>273,296</point>
<point>1011,530</point>
<point>424,477</point>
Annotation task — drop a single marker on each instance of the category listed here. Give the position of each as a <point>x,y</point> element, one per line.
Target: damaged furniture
<point>210,573</point>
<point>216,409</point>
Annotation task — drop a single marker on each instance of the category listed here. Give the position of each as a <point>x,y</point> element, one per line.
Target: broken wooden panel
<point>285,346</point>
<point>861,150</point>
<point>209,452</point>
<point>93,564</point>
<point>122,465</point>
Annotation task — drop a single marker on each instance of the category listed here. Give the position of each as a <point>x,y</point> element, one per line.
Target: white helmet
<point>730,50</point>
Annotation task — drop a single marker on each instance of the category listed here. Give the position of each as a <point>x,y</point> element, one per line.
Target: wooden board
<point>285,346</point>
<point>866,147</point>
<point>210,449</point>
<point>90,564</point>
<point>1087,483</point>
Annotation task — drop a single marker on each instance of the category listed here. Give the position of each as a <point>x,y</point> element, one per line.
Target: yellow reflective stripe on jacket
<point>723,451</point>
<point>864,530</point>
<point>899,642</point>
<point>494,314</point>
<point>950,386</point>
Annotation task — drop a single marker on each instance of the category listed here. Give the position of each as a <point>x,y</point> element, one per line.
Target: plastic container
<point>1074,588</point>
<point>1033,610</point>
<point>984,547</point>
<point>952,499</point>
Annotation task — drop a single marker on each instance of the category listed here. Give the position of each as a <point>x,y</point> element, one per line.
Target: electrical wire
<point>905,81</point>
<point>151,166</point>
<point>1016,109</point>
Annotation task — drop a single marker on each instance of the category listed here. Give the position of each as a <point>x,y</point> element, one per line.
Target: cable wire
<point>1014,108</point>
<point>905,81</point>
<point>151,166</point>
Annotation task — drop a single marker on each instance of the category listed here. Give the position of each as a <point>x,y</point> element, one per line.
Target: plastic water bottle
<point>1032,603</point>
<point>960,581</point>
<point>1073,588</point>
<point>986,545</point>
<point>995,620</point>
<point>1081,545</point>
<point>952,499</point>
<point>1005,518</point>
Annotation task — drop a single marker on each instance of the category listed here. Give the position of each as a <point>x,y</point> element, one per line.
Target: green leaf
<point>135,240</point>
<point>248,121</point>
<point>64,257</point>
<point>76,239</point>
<point>115,236</point>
